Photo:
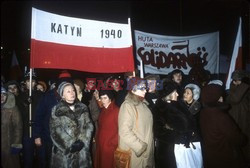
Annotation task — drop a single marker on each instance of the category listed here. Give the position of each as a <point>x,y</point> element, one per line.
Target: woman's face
<point>69,94</point>
<point>40,87</point>
<point>188,95</point>
<point>116,85</point>
<point>13,89</point>
<point>33,83</point>
<point>3,98</point>
<point>105,100</point>
<point>140,90</point>
<point>177,77</point>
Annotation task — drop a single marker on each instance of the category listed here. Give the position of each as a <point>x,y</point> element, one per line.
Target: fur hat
<point>62,86</point>
<point>238,75</point>
<point>195,90</point>
<point>168,87</point>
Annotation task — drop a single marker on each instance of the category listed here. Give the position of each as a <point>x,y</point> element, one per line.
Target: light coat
<point>136,135</point>
<point>11,132</point>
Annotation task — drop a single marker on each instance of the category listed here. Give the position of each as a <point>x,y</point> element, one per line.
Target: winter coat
<point>222,139</point>
<point>239,99</point>
<point>24,109</point>
<point>107,137</point>
<point>66,127</point>
<point>151,99</point>
<point>173,124</point>
<point>43,114</point>
<point>138,139</point>
<point>11,132</point>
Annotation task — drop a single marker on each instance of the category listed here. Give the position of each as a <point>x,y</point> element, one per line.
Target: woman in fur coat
<point>71,130</point>
<point>175,131</point>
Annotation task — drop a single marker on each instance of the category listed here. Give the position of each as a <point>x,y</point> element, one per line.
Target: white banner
<point>162,54</point>
<point>79,32</point>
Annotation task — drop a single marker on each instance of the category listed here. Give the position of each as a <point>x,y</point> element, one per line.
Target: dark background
<point>169,17</point>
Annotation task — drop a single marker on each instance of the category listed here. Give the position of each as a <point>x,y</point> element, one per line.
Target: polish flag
<point>63,42</point>
<point>15,70</point>
<point>236,59</point>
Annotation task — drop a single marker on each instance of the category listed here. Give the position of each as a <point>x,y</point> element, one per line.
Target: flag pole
<point>129,23</point>
<point>141,69</point>
<point>30,105</point>
<point>236,53</point>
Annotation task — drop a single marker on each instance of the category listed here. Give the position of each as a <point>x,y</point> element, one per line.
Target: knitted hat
<point>62,86</point>
<point>168,87</point>
<point>3,90</point>
<point>195,90</point>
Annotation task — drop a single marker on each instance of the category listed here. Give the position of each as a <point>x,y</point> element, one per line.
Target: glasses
<point>142,88</point>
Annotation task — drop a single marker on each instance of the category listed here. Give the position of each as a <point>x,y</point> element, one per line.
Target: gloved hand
<point>15,151</point>
<point>76,146</point>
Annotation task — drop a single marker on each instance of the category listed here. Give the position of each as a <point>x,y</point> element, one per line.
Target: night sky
<point>169,17</point>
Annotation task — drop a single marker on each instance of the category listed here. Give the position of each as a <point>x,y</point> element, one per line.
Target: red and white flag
<point>63,42</point>
<point>236,59</point>
<point>15,70</point>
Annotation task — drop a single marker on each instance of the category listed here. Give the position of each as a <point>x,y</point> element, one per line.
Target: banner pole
<point>30,105</point>
<point>141,69</point>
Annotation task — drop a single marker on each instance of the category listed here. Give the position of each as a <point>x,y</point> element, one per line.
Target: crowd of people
<point>171,121</point>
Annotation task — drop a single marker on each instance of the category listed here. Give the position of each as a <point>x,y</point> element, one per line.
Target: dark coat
<point>66,127</point>
<point>23,106</point>
<point>43,114</point>
<point>239,99</point>
<point>180,128</point>
<point>222,138</point>
<point>107,137</point>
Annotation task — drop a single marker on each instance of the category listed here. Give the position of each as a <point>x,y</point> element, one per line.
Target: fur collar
<point>63,109</point>
<point>133,99</point>
<point>175,114</point>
